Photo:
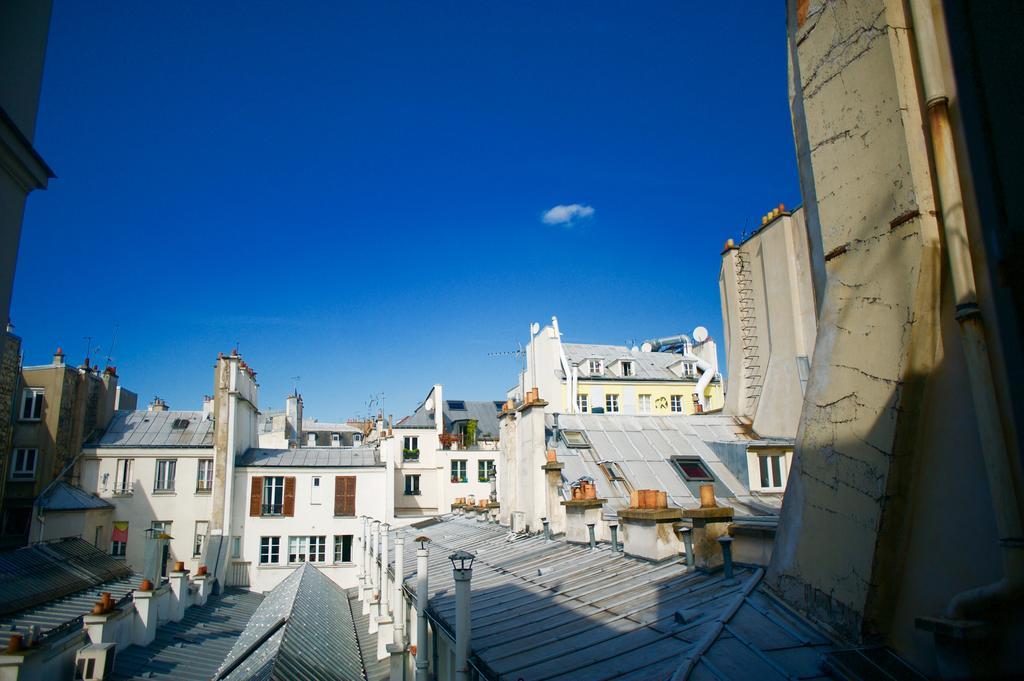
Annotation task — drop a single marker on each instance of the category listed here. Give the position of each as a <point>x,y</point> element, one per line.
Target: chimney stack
<point>58,358</point>
<point>293,419</point>
<point>710,522</point>
<point>647,526</point>
<point>158,405</point>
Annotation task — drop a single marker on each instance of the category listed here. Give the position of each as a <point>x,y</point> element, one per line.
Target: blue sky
<point>353,192</point>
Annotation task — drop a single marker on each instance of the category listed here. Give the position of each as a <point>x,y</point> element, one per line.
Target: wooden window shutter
<point>256,497</point>
<point>345,495</point>
<point>289,496</point>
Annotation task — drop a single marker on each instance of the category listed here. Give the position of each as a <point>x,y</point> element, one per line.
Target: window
<point>611,403</point>
<point>694,470</point>
<point>270,550</point>
<point>160,527</point>
<point>123,477</point>
<point>119,539</point>
<point>483,469</point>
<point>575,438</point>
<point>410,448</point>
<point>689,370</point>
<point>343,548</point>
<point>613,471</point>
<point>677,404</point>
<point>335,439</point>
<point>357,438</point>
<point>199,543</point>
<point>412,484</point>
<point>307,549</point>
<point>596,367</point>
<point>458,470</point>
<point>627,369</point>
<point>165,469</point>
<point>345,495</point>
<point>179,424</point>
<point>273,496</point>
<point>204,475</point>
<point>583,402</point>
<point>644,404</point>
<point>23,464</point>
<point>32,404</point>
<point>311,440</point>
<point>456,405</point>
<point>236,548</point>
<point>772,468</point>
<point>314,491</point>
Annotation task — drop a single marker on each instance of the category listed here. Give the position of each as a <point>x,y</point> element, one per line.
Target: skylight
<point>499,405</point>
<point>693,470</point>
<point>179,423</point>
<point>456,405</point>
<point>575,438</point>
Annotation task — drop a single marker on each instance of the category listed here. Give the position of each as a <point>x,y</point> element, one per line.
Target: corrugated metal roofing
<point>66,497</point>
<point>157,429</point>
<point>643,446</point>
<point>311,634</point>
<point>551,610</point>
<point>195,647</point>
<point>376,670</point>
<point>311,457</point>
<point>40,573</point>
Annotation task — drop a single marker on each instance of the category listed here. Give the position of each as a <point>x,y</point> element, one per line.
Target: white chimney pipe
<point>385,594</point>
<point>399,598</point>
<point>462,623</point>
<point>374,552</point>
<point>421,613</point>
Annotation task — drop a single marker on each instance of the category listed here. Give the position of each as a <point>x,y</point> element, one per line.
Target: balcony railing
<point>410,455</point>
<point>203,486</point>
<point>124,490</point>
<point>272,509</point>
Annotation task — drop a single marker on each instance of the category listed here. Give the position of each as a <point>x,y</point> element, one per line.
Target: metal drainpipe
<point>593,539</point>
<point>462,632</point>
<point>375,562</point>
<point>399,597</point>
<point>615,537</point>
<point>362,556</point>
<point>726,542</point>
<point>688,546</point>
<point>421,613</point>
<point>547,528</point>
<point>1003,483</point>
<point>385,594</point>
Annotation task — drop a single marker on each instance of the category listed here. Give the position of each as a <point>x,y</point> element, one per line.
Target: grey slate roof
<point>303,629</point>
<point>311,457</point>
<point>643,446</point>
<point>551,610</point>
<point>646,365</point>
<point>157,429</point>
<point>38,574</point>
<point>326,426</point>
<point>196,646</point>
<point>62,496</point>
<point>485,414</point>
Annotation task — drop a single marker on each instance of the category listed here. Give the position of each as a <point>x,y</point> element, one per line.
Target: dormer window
<point>335,439</point>
<point>311,440</point>
<point>627,369</point>
<point>596,367</point>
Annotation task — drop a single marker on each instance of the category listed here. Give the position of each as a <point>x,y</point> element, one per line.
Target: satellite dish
<point>429,404</point>
<point>534,328</point>
<point>700,334</point>
<point>646,347</point>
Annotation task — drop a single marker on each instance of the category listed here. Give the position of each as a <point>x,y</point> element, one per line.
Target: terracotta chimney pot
<point>201,571</point>
<point>662,499</point>
<point>97,608</point>
<point>14,643</point>
<point>707,496</point>
<point>179,566</point>
<point>551,456</point>
<point>146,585</point>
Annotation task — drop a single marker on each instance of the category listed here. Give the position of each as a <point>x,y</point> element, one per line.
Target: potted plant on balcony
<point>410,455</point>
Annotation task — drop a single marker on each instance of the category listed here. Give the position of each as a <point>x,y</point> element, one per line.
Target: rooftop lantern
<point>422,540</point>
<point>462,560</point>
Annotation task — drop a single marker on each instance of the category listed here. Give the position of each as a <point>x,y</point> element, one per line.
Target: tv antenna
<point>110,350</point>
<point>295,383</point>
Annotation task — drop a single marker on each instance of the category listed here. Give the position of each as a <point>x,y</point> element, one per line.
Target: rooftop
<point>644,450</point>
<point>62,496</point>
<point>550,610</point>
<point>142,429</point>
<point>458,412</point>
<point>647,366</point>
<point>311,457</point>
<point>303,629</point>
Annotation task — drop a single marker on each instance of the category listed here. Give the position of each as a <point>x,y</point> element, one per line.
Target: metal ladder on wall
<point>753,376</point>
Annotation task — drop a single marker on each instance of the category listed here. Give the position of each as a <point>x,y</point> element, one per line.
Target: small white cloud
<point>567,215</point>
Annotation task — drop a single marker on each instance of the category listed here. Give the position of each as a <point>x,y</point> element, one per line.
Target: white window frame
<point>627,369</point>
<point>339,548</point>
<point>676,404</point>
<point>316,489</point>
<point>32,402</point>
<point>311,439</point>
<point>583,403</point>
<point>460,466</point>
<point>484,466</point>
<point>123,482</point>
<point>20,460</point>
<point>410,442</point>
<point>273,489</point>
<point>199,541</point>
<point>335,439</point>
<point>270,551</point>
<point>307,549</point>
<point>611,403</point>
<point>166,471</point>
<point>765,472</point>
<point>595,367</point>
<point>643,403</point>
<point>204,482</point>
<point>118,549</point>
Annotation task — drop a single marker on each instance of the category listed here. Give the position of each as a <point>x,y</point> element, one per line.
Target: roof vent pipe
<point>615,537</point>
<point>726,542</point>
<point>422,556</point>
<point>554,430</point>
<point>593,538</point>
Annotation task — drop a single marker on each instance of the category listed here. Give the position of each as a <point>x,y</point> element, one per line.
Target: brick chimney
<point>647,526</point>
<point>58,358</point>
<point>710,522</point>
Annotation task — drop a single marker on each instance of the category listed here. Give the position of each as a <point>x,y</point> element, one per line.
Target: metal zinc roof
<point>40,573</point>
<point>311,457</point>
<point>550,610</point>
<point>157,429</point>
<point>303,629</point>
<point>485,413</point>
<point>195,647</point>
<point>646,365</point>
<point>319,426</point>
<point>66,497</point>
<point>643,447</point>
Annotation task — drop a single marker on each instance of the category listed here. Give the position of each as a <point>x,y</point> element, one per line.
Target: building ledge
<point>651,514</point>
<point>584,503</point>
